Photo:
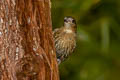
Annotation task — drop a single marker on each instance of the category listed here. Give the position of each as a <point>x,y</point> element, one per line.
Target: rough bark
<point>26,42</point>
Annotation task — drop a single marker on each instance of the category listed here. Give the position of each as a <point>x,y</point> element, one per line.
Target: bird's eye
<point>73,21</point>
<point>65,20</point>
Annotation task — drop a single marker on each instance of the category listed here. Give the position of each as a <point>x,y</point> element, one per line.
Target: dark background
<point>97,56</point>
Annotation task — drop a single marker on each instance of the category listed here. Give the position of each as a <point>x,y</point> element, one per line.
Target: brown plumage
<point>65,39</point>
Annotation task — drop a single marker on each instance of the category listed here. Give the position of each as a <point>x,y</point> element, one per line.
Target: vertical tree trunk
<point>26,42</point>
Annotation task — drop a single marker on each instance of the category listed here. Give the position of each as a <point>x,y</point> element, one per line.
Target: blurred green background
<point>97,56</point>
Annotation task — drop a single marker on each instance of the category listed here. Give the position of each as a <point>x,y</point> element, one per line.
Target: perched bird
<point>65,39</point>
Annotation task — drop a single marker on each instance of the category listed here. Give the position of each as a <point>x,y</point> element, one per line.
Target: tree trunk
<point>26,42</point>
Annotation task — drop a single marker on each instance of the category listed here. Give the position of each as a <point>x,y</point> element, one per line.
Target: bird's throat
<point>68,31</point>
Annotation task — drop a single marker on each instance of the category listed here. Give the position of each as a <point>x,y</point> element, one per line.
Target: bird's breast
<point>65,44</point>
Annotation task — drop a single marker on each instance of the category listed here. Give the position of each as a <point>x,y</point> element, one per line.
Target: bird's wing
<point>56,35</point>
<point>56,32</point>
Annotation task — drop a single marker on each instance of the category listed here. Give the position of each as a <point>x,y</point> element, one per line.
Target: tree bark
<point>26,42</point>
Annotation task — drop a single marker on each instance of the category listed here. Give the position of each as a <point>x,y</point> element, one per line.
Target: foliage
<point>97,56</point>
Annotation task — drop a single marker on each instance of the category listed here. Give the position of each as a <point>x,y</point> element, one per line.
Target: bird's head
<point>70,23</point>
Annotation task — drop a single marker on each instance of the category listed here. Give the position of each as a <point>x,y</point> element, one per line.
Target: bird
<point>65,39</point>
